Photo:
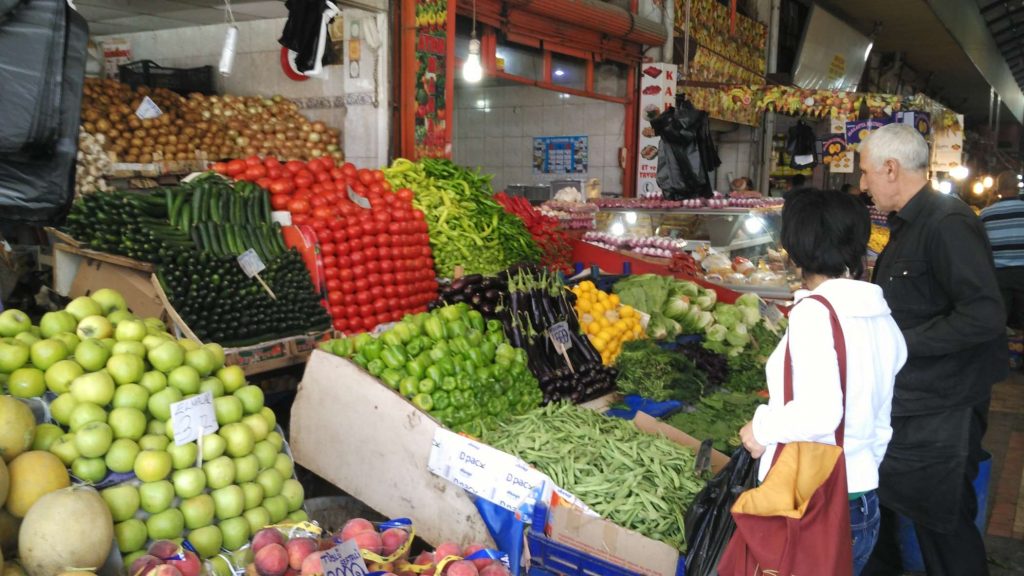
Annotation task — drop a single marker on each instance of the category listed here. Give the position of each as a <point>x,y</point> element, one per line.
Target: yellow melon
<point>34,474</point>
<point>65,528</point>
<point>9,526</point>
<point>17,427</point>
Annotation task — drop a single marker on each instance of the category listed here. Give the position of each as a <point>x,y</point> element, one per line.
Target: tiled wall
<point>495,127</point>
<point>738,154</point>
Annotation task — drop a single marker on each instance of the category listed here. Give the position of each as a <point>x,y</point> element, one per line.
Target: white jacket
<point>875,352</point>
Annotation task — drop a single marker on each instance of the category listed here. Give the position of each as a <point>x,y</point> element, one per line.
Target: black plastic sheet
<point>708,523</point>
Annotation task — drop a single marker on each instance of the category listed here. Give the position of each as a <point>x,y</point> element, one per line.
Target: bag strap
<point>840,345</point>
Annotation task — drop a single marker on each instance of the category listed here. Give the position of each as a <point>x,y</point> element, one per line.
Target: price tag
<point>148,109</point>
<point>190,416</point>
<point>251,263</point>
<point>343,560</point>
<point>559,334</point>
<point>359,200</point>
<point>770,312</point>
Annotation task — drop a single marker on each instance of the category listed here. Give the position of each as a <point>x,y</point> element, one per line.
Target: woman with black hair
<point>826,235</point>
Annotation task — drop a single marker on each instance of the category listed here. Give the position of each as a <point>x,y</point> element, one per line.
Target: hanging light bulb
<point>472,72</point>
<point>978,188</point>
<point>987,181</point>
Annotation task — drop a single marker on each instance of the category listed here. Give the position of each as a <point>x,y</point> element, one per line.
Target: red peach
<point>461,568</point>
<point>447,549</point>
<point>355,526</point>
<point>311,565</point>
<point>369,541</point>
<point>480,563</point>
<point>164,549</point>
<point>143,564</point>
<point>265,537</point>
<point>392,539</point>
<point>495,569</point>
<point>426,559</point>
<point>190,566</point>
<point>272,560</point>
<point>291,572</point>
<point>164,570</point>
<point>298,549</point>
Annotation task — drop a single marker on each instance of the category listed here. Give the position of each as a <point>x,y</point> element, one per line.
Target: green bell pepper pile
<point>451,363</point>
<point>467,226</point>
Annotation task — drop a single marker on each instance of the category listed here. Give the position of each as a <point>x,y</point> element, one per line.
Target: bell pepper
<point>342,347</point>
<point>391,377</point>
<point>447,366</point>
<point>505,355</point>
<point>434,328</point>
<point>426,386</point>
<point>361,340</point>
<point>473,428</point>
<point>402,331</point>
<point>376,367</point>
<point>460,344</point>
<point>360,360</point>
<point>476,357</point>
<point>414,328</point>
<point>434,373</point>
<point>407,387</point>
<point>423,401</point>
<point>415,368</point>
<point>371,350</point>
<point>496,338</point>
<point>488,349</point>
<point>394,356</point>
<point>391,338</point>
<point>328,347</point>
<point>455,328</point>
<point>414,348</point>
<point>440,401</point>
<point>495,327</point>
<point>476,320</point>
<point>453,312</point>
<point>475,338</point>
<point>468,367</point>
<point>485,372</point>
<point>449,384</point>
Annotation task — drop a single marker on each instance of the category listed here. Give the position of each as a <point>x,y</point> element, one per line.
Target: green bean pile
<point>640,481</point>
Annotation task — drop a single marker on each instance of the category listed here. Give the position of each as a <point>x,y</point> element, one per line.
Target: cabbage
<point>704,319</point>
<point>717,333</point>
<point>728,315</point>
<point>657,328</point>
<point>738,336</point>
<point>749,300</point>
<point>673,328</point>
<point>688,289</point>
<point>751,316</point>
<point>707,299</point>
<point>677,307</point>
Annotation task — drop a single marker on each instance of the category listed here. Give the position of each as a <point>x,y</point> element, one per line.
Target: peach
<point>265,537</point>
<point>480,563</point>
<point>425,559</point>
<point>291,572</point>
<point>190,566</point>
<point>164,549</point>
<point>311,565</point>
<point>143,564</point>
<point>298,549</point>
<point>495,569</point>
<point>272,560</point>
<point>461,568</point>
<point>355,526</point>
<point>369,541</point>
<point>164,570</point>
<point>392,539</point>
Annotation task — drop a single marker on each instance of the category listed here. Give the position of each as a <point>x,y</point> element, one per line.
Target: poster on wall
<point>948,147</point>
<point>657,92</point>
<point>560,155</point>
<point>116,51</point>
<point>432,137</point>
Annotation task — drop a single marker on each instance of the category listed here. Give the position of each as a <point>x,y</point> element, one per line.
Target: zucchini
<point>265,197</point>
<point>197,203</point>
<point>215,205</point>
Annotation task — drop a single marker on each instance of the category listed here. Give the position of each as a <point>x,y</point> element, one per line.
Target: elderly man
<point>938,278</point>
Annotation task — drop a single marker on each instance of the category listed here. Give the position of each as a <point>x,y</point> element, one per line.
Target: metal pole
<point>991,102</point>
<point>686,44</point>
<point>670,29</point>
<point>995,131</point>
<point>769,118</point>
<point>773,37</point>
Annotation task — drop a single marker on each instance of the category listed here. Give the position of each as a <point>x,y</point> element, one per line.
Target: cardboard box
<point>80,272</point>
<point>372,443</point>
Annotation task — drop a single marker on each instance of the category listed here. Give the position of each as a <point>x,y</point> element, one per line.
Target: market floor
<point>1005,441</point>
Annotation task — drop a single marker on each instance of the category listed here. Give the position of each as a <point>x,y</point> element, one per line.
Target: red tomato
<point>373,266</point>
<point>334,285</point>
<point>344,260</point>
<point>330,261</point>
<point>359,270</point>
<point>390,291</point>
<point>355,241</point>
<point>345,274</point>
<point>335,297</point>
<point>340,324</point>
<point>387,278</point>
<point>323,177</point>
<point>300,219</point>
<point>352,311</point>
<point>264,182</point>
<point>236,167</point>
<point>331,273</point>
<point>337,310</point>
<point>282,186</point>
<point>348,287</point>
<point>349,169</point>
<point>405,195</point>
<point>280,201</point>
<point>363,297</point>
<point>304,179</point>
<point>365,177</point>
<point>337,174</point>
<point>339,233</point>
<point>294,166</point>
<point>322,212</point>
<point>378,175</point>
<point>368,228</point>
<point>357,257</point>
<point>298,207</point>
<point>383,239</point>
<point>371,253</point>
<point>381,306</point>
<point>387,265</point>
<point>374,279</point>
<point>220,167</point>
<point>255,172</point>
<point>362,284</point>
<point>327,247</point>
<point>271,162</point>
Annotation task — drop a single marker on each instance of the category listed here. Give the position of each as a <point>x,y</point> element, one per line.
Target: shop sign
<point>919,120</point>
<point>116,51</point>
<point>948,146</point>
<point>657,92</point>
<point>432,136</point>
<point>560,155</point>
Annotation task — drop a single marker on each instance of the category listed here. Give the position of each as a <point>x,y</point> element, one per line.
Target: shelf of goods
<point>106,434</point>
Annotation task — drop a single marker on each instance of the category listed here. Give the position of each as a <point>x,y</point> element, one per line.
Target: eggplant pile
<point>482,293</point>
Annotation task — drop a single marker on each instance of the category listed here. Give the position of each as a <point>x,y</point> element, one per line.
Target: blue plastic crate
<point>604,282</point>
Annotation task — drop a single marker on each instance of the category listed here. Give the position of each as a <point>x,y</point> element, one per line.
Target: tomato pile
<point>546,232</point>
<point>377,261</point>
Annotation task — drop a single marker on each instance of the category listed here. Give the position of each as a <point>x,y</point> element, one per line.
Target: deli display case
<point>736,247</point>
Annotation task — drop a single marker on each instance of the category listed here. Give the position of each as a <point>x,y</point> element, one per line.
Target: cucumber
<point>197,203</point>
<point>265,197</point>
<point>215,205</point>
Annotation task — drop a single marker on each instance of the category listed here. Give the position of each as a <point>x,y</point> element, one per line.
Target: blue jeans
<point>865,519</point>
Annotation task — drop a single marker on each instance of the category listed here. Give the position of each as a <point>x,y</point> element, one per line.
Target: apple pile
<point>114,377</point>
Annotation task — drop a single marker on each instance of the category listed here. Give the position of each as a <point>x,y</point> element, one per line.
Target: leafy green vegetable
<point>650,371</point>
<point>719,417</point>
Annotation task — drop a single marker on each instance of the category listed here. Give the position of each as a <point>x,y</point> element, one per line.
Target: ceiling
<point>1005,20</point>
<point>125,16</point>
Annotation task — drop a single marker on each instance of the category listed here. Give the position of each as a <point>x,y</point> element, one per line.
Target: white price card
<point>559,334</point>
<point>770,312</point>
<point>148,109</point>
<point>343,560</point>
<point>251,263</point>
<point>192,417</point>
<point>358,200</point>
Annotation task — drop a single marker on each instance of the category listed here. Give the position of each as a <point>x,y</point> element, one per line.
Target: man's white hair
<point>898,142</point>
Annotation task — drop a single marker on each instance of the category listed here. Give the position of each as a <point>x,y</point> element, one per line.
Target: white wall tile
<point>595,145</point>
<point>474,120</point>
<point>512,121</point>
<point>494,148</point>
<point>553,122</point>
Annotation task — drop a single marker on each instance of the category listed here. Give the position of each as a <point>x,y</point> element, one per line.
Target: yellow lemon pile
<point>605,321</point>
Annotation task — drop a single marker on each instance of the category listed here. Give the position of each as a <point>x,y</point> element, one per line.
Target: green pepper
<point>394,356</point>
<point>436,354</point>
<point>362,340</point>
<point>423,401</point>
<point>440,400</point>
<point>361,360</point>
<point>468,366</point>
<point>488,349</point>
<point>496,338</point>
<point>415,368</point>
<point>420,319</point>
<point>434,373</point>
<point>447,366</point>
<point>495,327</point>
<point>505,355</point>
<point>402,331</point>
<point>449,384</point>
<point>460,344</point>
<point>407,387</point>
<point>454,312</point>
<point>455,328</point>
<point>391,377</point>
<point>475,338</point>
<point>414,348</point>
<point>342,347</point>
<point>434,328</point>
<point>426,386</point>
<point>376,367</point>
<point>391,338</point>
<point>476,320</point>
<point>372,349</point>
<point>414,328</point>
<point>476,357</point>
<point>466,382</point>
<point>473,428</point>
<point>328,346</point>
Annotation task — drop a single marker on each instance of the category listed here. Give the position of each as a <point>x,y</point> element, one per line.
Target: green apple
<point>167,356</point>
<point>239,439</point>
<point>26,383</point>
<point>253,493</point>
<point>46,353</point>
<point>95,387</point>
<point>95,327</point>
<point>127,423</point>
<point>202,360</point>
<point>189,482</point>
<point>126,368</point>
<point>160,403</point>
<point>277,507</point>
<point>166,525</point>
<point>284,465</point>
<point>152,465</point>
<point>156,497</point>
<point>129,347</point>
<point>13,322</point>
<point>269,416</point>
<point>131,396</point>
<point>271,480</point>
<point>185,379</point>
<point>293,494</point>
<point>214,446</point>
<point>153,381</point>
<point>123,501</point>
<point>62,407</point>
<point>130,331</point>
<point>220,472</point>
<point>258,518</point>
<point>258,425</point>
<point>89,470</point>
<point>53,322</point>
<point>218,354</point>
<point>157,427</point>
<point>94,439</point>
<point>235,531</point>
<point>155,442</point>
<point>265,453</point>
<point>122,454</point>
<point>131,535</point>
<point>212,385</point>
<point>198,511</point>
<point>70,339</point>
<point>297,516</point>
<point>91,354</point>
<point>118,316</point>
<point>59,376</point>
<point>154,341</point>
<point>155,324</point>
<point>188,344</point>
<point>228,410</point>
<point>13,355</point>
<point>27,338</point>
<point>83,307</point>
<point>251,397</point>
<point>233,378</point>
<point>108,343</point>
<point>206,540</point>
<point>45,435</point>
<point>109,300</point>
<point>64,448</point>
<point>85,413</point>
<point>184,456</point>
<point>246,468</point>
<point>230,501</point>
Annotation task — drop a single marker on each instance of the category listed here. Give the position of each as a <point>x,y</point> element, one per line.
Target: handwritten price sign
<point>343,560</point>
<point>193,416</point>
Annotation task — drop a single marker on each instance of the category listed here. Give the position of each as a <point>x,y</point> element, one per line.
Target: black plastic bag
<point>800,141</point>
<point>708,523</point>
